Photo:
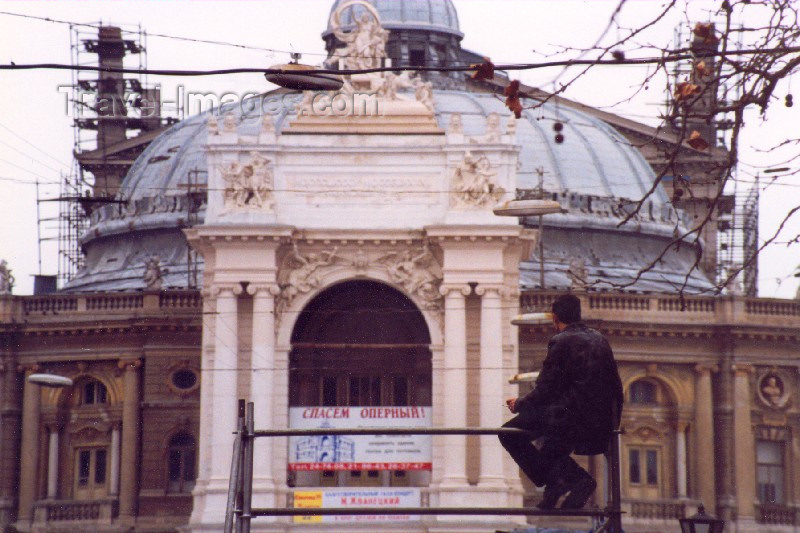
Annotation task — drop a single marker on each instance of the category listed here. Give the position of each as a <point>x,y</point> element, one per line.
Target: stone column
<point>455,379</point>
<point>491,384</point>
<point>680,458</point>
<point>10,428</point>
<point>113,481</point>
<point>262,387</point>
<point>131,430</point>
<point>743,443</point>
<point>52,463</point>
<point>704,436</point>
<point>29,450</point>
<point>225,391</point>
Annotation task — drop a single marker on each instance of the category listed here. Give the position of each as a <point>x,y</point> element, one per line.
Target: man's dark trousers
<point>552,460</point>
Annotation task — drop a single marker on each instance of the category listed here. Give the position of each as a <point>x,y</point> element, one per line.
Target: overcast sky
<point>36,137</point>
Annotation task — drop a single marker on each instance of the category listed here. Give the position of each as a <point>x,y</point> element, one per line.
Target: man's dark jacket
<point>578,390</point>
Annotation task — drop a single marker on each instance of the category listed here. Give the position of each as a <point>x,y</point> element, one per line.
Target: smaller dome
<point>430,15</point>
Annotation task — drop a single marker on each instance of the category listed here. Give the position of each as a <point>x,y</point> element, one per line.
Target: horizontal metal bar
<point>390,511</point>
<point>388,431</point>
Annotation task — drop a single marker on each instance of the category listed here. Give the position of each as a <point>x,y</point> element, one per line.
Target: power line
<point>670,58</point>
<point>33,159</point>
<point>47,180</point>
<point>20,137</point>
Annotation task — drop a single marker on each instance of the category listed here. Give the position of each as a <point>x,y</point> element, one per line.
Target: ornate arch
<point>61,397</point>
<point>679,393</point>
<point>339,274</point>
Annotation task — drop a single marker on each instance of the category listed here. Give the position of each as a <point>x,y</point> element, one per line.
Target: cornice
<point>72,330</point>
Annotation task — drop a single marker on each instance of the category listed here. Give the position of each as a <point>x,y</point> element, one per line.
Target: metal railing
<point>239,511</point>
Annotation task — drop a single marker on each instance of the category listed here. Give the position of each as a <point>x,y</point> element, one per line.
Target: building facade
<point>350,263</point>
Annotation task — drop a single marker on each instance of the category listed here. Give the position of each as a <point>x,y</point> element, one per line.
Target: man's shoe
<point>552,492</point>
<point>579,493</point>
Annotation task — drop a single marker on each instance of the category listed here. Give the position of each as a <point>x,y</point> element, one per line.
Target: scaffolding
<point>737,243</point>
<point>106,108</point>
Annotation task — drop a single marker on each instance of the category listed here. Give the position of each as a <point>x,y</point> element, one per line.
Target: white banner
<point>346,498</point>
<point>360,452</point>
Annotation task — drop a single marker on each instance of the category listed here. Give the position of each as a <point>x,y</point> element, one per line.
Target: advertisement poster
<point>359,452</point>
<point>345,498</point>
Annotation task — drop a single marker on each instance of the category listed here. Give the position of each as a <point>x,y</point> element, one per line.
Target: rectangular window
<point>770,472</point>
<point>643,466</point>
<point>88,393</point>
<point>99,467</point>
<point>329,392</point>
<point>652,467</point>
<point>634,474</point>
<point>399,391</point>
<point>188,465</point>
<point>84,467</point>
<point>174,467</point>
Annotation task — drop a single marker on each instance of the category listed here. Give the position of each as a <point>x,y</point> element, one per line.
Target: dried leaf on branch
<point>685,90</point>
<point>511,93</point>
<point>705,31</point>
<point>483,71</point>
<point>697,142</point>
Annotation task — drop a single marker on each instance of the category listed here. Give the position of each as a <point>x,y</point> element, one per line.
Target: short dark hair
<point>567,308</point>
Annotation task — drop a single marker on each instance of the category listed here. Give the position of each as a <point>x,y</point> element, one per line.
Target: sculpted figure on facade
<point>212,125</point>
<point>423,92</point>
<point>365,45</point>
<point>300,273</point>
<point>229,123</point>
<point>6,278</point>
<point>418,272</point>
<point>249,185</point>
<point>472,182</point>
<point>455,126</point>
<point>153,273</point>
<point>493,132</point>
<point>577,273</point>
<point>392,83</point>
<point>772,392</point>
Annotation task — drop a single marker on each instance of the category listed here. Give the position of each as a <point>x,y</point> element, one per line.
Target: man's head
<point>566,310</point>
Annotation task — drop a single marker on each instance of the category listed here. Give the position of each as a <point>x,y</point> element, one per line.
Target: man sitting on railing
<point>574,408</point>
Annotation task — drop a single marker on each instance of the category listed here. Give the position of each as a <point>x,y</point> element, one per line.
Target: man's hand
<point>511,403</point>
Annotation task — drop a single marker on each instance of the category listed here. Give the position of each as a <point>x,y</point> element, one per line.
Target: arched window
<point>643,392</point>
<point>180,463</point>
<point>94,392</point>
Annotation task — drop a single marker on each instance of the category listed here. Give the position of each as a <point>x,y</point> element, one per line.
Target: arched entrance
<point>359,344</point>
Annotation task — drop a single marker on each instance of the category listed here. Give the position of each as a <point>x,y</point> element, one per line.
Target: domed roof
<point>594,161</point>
<point>431,15</point>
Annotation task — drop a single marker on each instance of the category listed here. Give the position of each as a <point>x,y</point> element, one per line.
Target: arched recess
<point>650,455</point>
<point>360,343</point>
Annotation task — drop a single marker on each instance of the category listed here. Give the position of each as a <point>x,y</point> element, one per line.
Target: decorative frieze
<point>473,183</point>
<point>249,185</point>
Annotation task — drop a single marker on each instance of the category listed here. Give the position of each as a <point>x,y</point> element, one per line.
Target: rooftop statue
<point>6,278</point>
<point>365,46</point>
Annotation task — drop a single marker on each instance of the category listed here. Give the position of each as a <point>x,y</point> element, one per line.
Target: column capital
<point>234,288</point>
<point>483,289</point>
<point>742,369</point>
<point>706,368</point>
<point>129,364</point>
<point>263,289</point>
<point>463,288</point>
<point>29,368</point>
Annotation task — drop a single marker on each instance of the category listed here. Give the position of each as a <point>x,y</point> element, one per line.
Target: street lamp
<point>50,380</point>
<point>701,523</point>
<point>532,319</point>
<point>297,76</point>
